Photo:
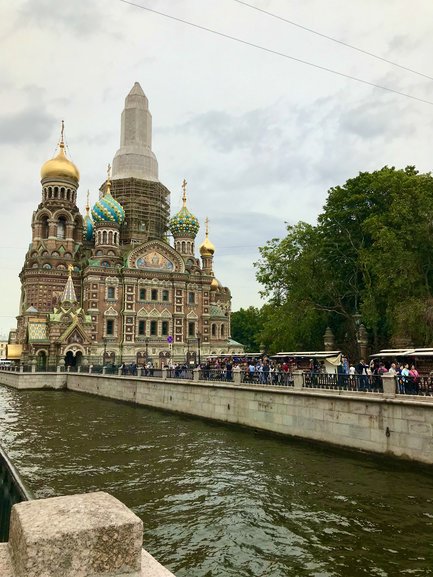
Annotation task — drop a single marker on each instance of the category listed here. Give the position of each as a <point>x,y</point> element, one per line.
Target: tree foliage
<point>246,328</point>
<point>371,252</point>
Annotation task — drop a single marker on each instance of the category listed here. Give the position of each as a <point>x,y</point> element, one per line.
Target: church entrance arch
<point>164,359</point>
<point>73,357</point>
<point>41,360</point>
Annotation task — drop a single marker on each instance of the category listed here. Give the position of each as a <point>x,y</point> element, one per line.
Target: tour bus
<point>318,361</point>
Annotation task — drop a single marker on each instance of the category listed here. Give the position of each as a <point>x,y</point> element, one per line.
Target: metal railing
<point>12,490</point>
<point>275,378</point>
<point>224,375</point>
<point>370,383</point>
<point>181,373</point>
<point>421,386</point>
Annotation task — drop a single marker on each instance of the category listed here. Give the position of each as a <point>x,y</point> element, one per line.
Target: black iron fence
<point>275,378</point>
<point>207,374</point>
<point>370,383</point>
<point>181,373</point>
<point>12,490</point>
<point>422,385</point>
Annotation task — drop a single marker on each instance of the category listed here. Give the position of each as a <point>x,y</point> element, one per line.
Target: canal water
<point>221,501</point>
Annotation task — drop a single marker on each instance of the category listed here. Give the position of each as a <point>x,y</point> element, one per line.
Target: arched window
<point>61,227</point>
<point>223,329</point>
<point>56,192</point>
<point>183,246</point>
<point>104,237</point>
<point>44,227</point>
<point>214,330</point>
<point>110,237</point>
<point>115,238</point>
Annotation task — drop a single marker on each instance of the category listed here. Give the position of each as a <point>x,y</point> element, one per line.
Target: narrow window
<point>111,292</point>
<point>165,295</point>
<point>154,294</point>
<point>191,329</point>
<point>164,328</point>
<point>110,327</point>
<point>142,294</point>
<point>141,328</point>
<point>153,328</point>
<point>214,330</point>
<point>191,298</point>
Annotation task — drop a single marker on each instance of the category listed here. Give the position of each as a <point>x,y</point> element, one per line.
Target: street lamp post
<point>105,351</point>
<point>198,346</point>
<point>146,340</point>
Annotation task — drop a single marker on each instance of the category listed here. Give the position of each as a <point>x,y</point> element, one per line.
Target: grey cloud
<point>81,17</point>
<point>374,119</point>
<point>29,125</point>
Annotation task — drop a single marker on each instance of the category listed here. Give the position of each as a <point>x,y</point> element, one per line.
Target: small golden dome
<point>215,284</point>
<point>60,167</point>
<point>207,248</point>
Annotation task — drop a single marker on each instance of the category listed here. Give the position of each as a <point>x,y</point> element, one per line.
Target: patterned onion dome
<point>107,209</point>
<point>88,227</point>
<point>184,224</point>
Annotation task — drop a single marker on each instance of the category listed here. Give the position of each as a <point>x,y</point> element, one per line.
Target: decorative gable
<point>155,256</point>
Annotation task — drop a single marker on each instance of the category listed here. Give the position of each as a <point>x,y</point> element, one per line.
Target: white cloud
<point>259,138</point>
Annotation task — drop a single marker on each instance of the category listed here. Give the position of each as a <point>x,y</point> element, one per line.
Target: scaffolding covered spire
<point>135,157</point>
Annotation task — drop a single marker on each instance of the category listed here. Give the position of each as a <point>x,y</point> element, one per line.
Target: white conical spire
<point>69,295</point>
<point>135,157</point>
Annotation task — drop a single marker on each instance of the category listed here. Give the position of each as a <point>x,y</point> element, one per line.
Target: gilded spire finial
<point>108,189</point>
<point>207,226</point>
<point>62,134</point>
<point>184,183</point>
<point>87,203</point>
<point>70,269</point>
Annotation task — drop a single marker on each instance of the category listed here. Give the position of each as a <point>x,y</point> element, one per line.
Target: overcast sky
<point>259,138</point>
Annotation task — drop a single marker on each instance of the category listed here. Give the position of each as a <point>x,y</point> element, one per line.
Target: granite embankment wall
<point>399,426</point>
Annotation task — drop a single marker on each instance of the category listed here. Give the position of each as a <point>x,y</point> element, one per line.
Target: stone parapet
<point>90,535</point>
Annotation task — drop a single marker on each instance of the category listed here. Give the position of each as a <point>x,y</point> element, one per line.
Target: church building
<point>109,286</point>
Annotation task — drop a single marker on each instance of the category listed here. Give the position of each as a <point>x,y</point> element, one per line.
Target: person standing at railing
<point>404,379</point>
<point>415,379</point>
<point>361,370</point>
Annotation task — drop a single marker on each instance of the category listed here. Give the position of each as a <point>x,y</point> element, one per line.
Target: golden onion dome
<point>60,166</point>
<point>215,284</point>
<point>207,248</point>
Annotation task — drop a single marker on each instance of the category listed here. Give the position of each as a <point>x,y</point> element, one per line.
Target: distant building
<point>109,287</point>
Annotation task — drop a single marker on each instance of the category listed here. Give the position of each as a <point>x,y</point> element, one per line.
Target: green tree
<point>246,326</point>
<point>371,252</point>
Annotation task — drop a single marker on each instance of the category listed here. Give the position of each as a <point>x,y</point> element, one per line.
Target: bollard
<point>119,371</point>
<point>164,374</point>
<point>104,369</point>
<point>196,374</point>
<point>59,369</point>
<point>34,366</point>
<point>298,381</point>
<point>91,534</point>
<point>90,368</point>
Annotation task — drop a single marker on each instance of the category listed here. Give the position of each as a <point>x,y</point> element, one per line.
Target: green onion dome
<point>107,209</point>
<point>184,224</point>
<point>88,227</point>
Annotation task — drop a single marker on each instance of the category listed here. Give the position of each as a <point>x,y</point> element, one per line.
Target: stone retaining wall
<point>399,426</point>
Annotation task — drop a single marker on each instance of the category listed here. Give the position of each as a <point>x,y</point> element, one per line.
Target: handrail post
<point>298,380</point>
<point>389,385</point>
